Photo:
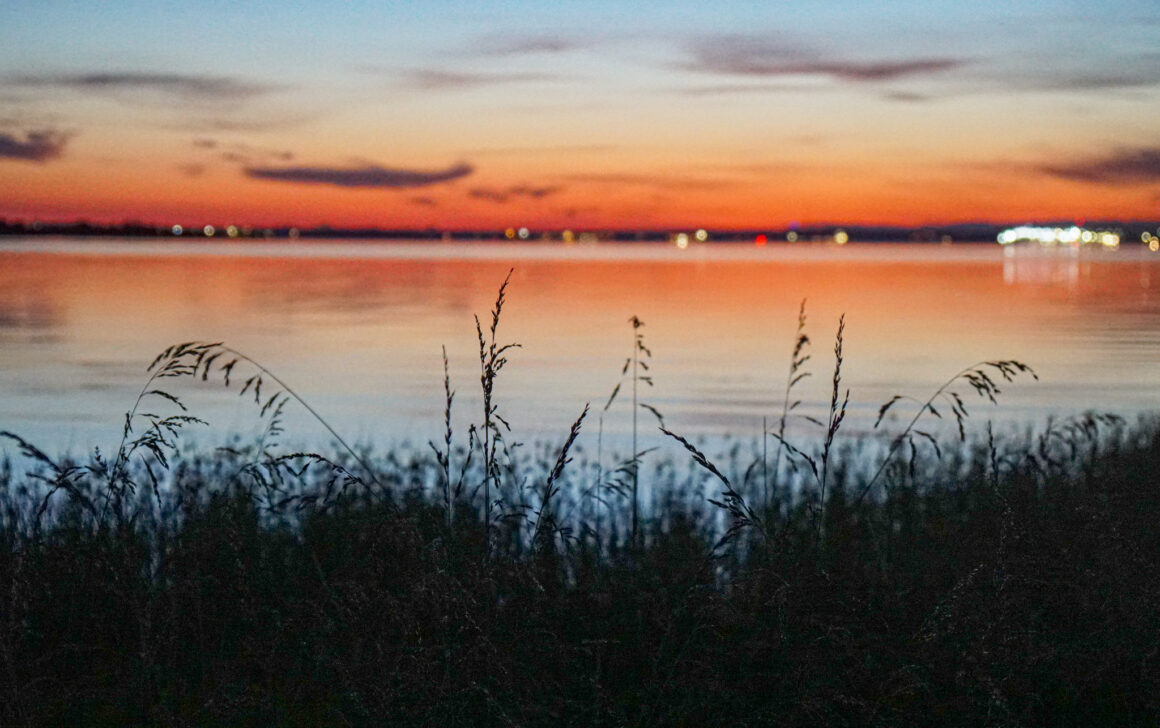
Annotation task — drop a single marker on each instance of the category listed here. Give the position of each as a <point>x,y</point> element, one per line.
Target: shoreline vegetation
<point>969,580</point>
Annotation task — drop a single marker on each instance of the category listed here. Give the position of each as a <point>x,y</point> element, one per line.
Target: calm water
<point>357,329</point>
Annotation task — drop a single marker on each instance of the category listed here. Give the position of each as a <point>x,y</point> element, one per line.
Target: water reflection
<point>358,328</point>
<point>1038,265</point>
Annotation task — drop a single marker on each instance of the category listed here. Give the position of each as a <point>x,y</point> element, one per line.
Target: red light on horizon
<point>760,240</point>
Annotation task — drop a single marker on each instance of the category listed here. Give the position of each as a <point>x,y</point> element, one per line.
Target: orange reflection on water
<point>358,328</point>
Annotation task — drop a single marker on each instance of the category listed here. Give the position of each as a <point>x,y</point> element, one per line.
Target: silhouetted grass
<point>984,581</point>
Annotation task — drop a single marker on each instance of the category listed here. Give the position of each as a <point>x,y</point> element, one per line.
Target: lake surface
<point>357,329</point>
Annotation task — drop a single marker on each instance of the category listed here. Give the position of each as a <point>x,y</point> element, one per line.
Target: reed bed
<point>971,580</point>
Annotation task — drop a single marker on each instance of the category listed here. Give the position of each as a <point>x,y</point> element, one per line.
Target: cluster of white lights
<point>209,231</point>
<point>681,240</point>
<point>1073,235</point>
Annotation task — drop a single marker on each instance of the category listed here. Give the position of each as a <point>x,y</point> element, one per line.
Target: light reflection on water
<point>358,327</point>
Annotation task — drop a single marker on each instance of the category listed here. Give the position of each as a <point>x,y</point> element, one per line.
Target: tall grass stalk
<point>637,343</point>
<point>833,423</point>
<point>551,483</point>
<point>443,457</point>
<point>797,373</point>
<point>978,377</point>
<point>641,355</point>
<point>158,438</point>
<point>492,358</point>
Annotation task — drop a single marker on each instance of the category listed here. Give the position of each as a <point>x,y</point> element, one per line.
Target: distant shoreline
<point>950,233</point>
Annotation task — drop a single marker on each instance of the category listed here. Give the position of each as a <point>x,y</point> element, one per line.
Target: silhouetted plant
<point>797,372</point>
<point>492,358</point>
<point>639,360</point>
<point>977,377</point>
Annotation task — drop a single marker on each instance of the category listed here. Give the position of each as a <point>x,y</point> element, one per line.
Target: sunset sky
<point>579,115</point>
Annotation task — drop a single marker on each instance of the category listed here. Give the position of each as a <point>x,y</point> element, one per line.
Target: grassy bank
<point>981,581</point>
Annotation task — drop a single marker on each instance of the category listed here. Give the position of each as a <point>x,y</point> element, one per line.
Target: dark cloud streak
<point>907,97</point>
<point>252,156</point>
<point>503,45</point>
<point>1128,79</point>
<point>38,145</point>
<point>503,196</point>
<point>755,57</point>
<point>206,87</point>
<point>1123,166</point>
<point>437,80</point>
<point>368,176</point>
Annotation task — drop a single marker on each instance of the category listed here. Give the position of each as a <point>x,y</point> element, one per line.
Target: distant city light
<point>232,231</point>
<point>568,236</point>
<point>760,240</point>
<point>1154,244</point>
<point>791,236</point>
<point>524,233</point>
<point>208,230</point>
<point>701,235</point>
<point>841,237</point>
<point>510,233</point>
<point>682,240</point>
<point>178,230</point>
<point>1073,235</point>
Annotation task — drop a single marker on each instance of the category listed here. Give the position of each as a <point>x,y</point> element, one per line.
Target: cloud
<point>1110,81</point>
<point>506,45</point>
<point>202,143</point>
<point>252,156</point>
<point>371,176</point>
<point>424,201</point>
<point>1125,78</point>
<point>437,80</point>
<point>502,196</point>
<point>757,57</point>
<point>907,97</point>
<point>533,192</point>
<point>190,86</point>
<point>482,193</point>
<point>38,145</point>
<point>192,169</point>
<point>1123,166</point>
<point>253,124</point>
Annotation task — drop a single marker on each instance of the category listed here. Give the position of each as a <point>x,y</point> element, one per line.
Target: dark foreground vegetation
<point>995,583</point>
